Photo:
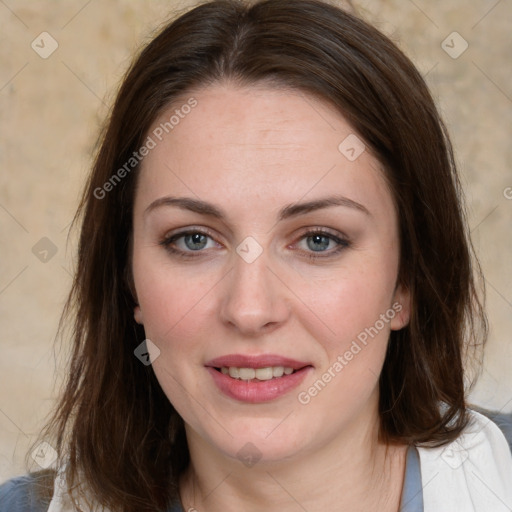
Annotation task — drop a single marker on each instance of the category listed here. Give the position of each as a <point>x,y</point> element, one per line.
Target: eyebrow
<point>289,211</point>
<point>296,209</point>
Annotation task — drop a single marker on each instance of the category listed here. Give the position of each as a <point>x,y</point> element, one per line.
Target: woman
<point>274,297</point>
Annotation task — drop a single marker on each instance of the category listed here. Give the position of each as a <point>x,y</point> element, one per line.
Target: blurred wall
<point>51,108</point>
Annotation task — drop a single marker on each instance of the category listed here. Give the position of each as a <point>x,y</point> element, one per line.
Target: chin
<point>268,439</point>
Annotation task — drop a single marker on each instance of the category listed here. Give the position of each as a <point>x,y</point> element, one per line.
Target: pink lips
<point>263,361</point>
<point>257,391</point>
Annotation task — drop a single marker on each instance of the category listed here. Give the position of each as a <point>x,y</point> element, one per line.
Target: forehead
<point>258,142</point>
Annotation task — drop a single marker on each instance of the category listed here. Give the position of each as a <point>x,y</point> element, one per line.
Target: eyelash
<point>168,241</point>
<point>343,243</point>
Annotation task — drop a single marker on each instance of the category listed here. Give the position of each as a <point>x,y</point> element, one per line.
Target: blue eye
<point>186,243</point>
<point>195,242</point>
<point>318,242</point>
<point>321,244</point>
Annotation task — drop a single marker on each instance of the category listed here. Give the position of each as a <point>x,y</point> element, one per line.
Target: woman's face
<point>265,241</point>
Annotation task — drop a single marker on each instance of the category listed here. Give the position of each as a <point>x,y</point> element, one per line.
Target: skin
<point>250,152</point>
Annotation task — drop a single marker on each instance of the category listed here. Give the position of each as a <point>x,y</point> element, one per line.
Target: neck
<point>353,471</point>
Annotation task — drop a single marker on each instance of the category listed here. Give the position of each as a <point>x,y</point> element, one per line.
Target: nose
<point>255,300</point>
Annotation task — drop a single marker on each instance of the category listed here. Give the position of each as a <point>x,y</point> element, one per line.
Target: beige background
<point>51,110</point>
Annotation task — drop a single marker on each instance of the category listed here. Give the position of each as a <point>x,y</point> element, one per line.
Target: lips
<point>263,361</point>
<point>233,375</point>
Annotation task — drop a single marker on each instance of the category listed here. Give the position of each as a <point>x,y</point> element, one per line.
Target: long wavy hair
<point>119,434</point>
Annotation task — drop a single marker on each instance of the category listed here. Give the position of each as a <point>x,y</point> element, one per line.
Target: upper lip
<point>261,361</point>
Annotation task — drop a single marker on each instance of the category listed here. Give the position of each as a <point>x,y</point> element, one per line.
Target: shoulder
<point>27,493</point>
<point>473,472</point>
<point>46,491</point>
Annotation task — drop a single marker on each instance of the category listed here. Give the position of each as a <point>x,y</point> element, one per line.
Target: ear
<point>402,308</point>
<point>137,314</point>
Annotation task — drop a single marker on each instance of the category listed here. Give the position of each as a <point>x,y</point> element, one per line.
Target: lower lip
<point>255,392</point>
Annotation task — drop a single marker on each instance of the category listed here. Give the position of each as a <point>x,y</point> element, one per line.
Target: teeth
<point>246,373</point>
<point>264,373</point>
<point>278,371</point>
<point>267,373</point>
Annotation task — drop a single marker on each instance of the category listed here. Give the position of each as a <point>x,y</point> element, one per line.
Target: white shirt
<point>471,474</point>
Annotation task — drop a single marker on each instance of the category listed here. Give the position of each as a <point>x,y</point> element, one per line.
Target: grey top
<point>412,492</point>
<point>19,494</point>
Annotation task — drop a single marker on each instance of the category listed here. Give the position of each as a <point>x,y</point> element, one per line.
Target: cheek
<point>356,315</point>
<point>349,303</point>
<point>172,299</point>
<point>177,317</point>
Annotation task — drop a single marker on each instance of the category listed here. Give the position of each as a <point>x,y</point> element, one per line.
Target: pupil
<point>320,242</point>
<point>196,241</point>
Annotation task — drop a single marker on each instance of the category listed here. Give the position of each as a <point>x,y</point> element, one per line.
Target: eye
<point>194,241</point>
<point>188,242</point>
<point>321,244</point>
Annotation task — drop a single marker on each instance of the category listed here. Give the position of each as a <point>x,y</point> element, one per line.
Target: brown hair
<point>122,436</point>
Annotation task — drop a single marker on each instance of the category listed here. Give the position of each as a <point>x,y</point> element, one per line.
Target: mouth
<point>257,379</point>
